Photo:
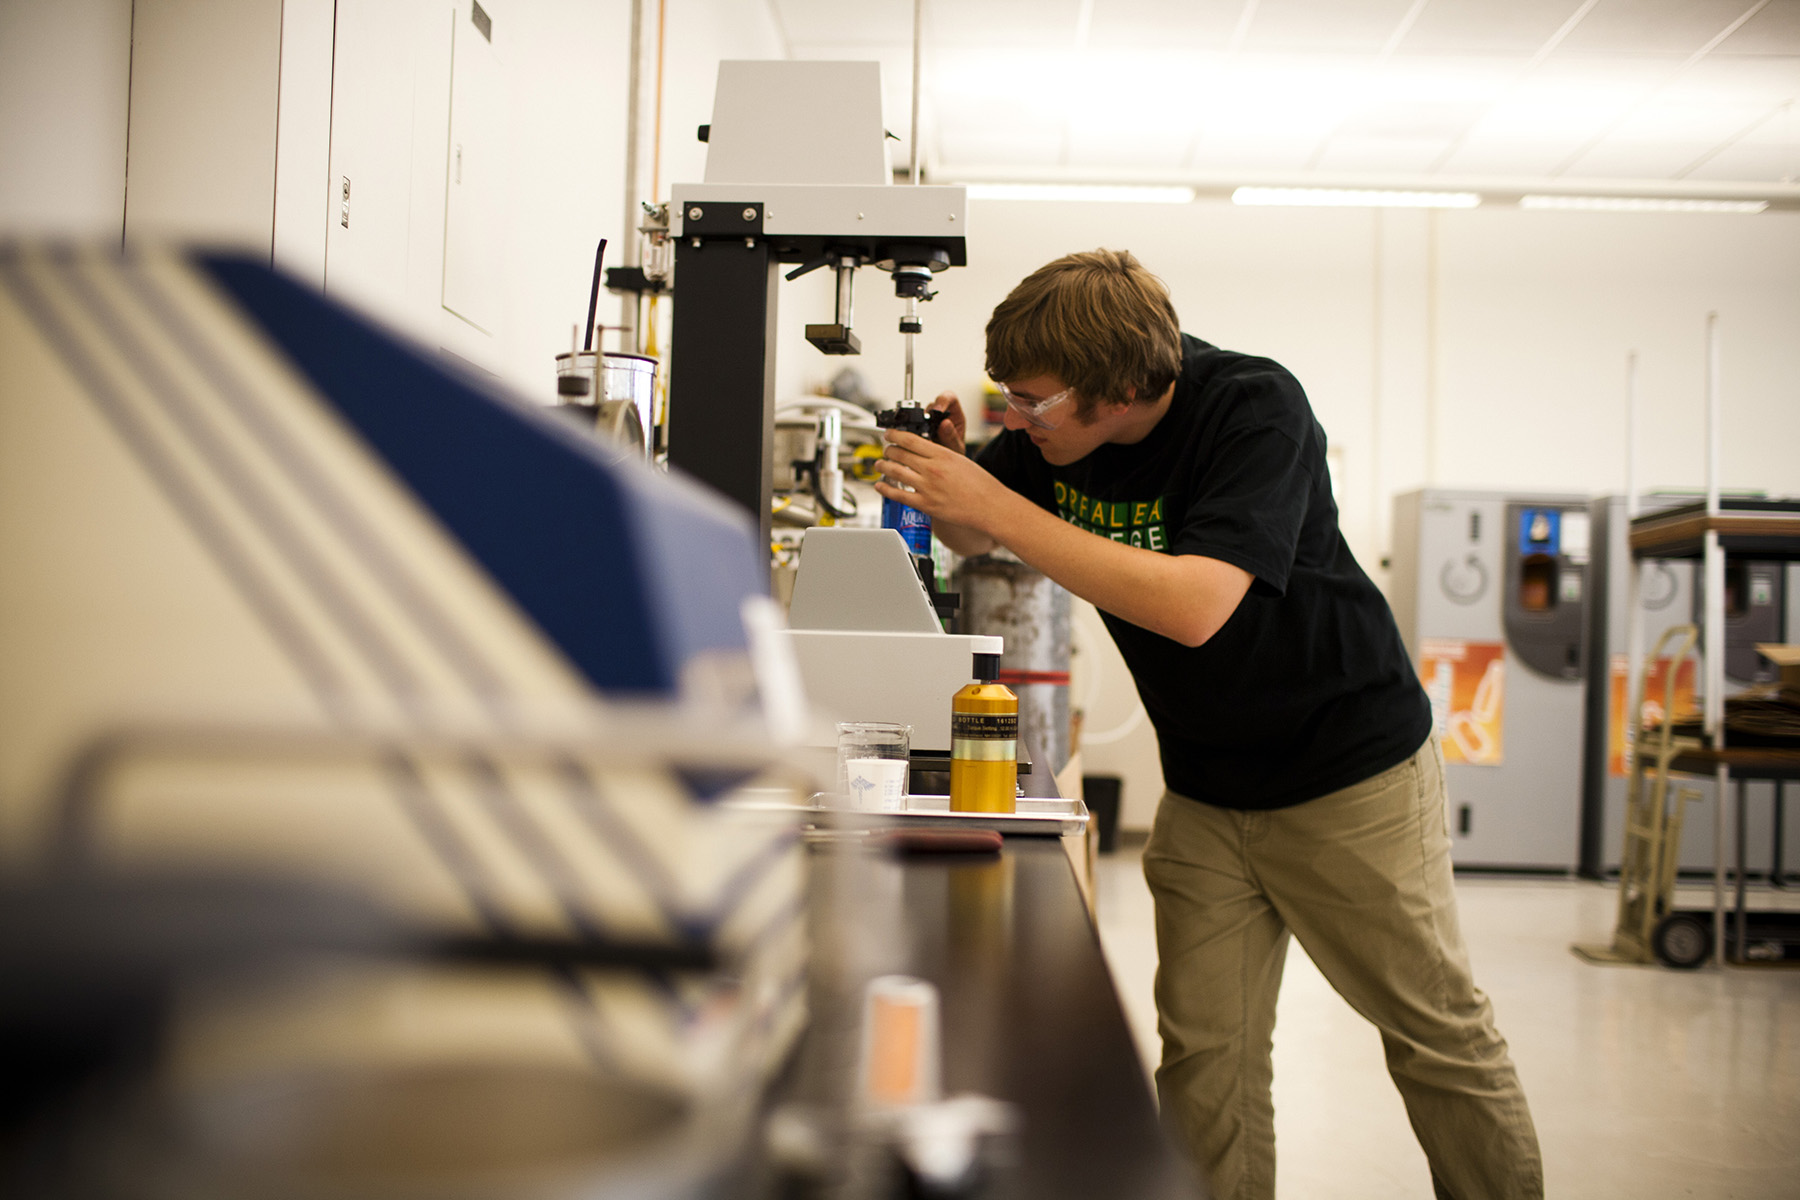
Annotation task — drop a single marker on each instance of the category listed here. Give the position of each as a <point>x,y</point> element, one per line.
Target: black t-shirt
<point>1307,687</point>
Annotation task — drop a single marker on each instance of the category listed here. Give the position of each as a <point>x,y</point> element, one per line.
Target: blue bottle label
<point>914,526</point>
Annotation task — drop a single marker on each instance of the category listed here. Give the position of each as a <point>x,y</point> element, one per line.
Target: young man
<point>1182,489</point>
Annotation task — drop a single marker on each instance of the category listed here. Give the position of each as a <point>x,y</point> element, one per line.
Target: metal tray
<point>1035,817</point>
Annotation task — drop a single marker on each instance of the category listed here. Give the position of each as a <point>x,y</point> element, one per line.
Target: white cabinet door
<point>389,133</point>
<point>205,77</point>
<point>474,212</point>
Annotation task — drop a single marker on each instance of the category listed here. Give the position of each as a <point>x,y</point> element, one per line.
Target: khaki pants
<point>1362,878</point>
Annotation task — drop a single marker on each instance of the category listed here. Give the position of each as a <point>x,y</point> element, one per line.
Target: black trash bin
<point>1101,792</point>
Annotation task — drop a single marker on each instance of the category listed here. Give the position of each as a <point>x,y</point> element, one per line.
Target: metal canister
<point>1006,598</point>
<point>628,399</point>
<point>984,743</point>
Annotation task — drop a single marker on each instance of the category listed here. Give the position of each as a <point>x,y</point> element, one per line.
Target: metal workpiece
<point>909,327</point>
<point>912,267</point>
<point>837,337</point>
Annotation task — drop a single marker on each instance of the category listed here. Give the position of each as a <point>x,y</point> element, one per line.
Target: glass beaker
<point>872,762</point>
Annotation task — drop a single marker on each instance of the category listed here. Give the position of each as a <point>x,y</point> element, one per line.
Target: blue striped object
<point>631,574</point>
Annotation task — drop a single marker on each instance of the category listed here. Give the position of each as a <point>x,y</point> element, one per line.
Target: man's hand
<point>945,483</point>
<point>954,431</point>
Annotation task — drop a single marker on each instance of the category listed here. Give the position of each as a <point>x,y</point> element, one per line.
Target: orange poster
<point>1657,676</point>
<point>1466,682</point>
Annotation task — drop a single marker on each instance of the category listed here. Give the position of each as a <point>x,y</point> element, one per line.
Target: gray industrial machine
<point>1759,606</point>
<point>1490,590</point>
<point>797,171</point>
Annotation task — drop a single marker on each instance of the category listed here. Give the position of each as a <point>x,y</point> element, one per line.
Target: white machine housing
<point>810,137</point>
<point>867,642</point>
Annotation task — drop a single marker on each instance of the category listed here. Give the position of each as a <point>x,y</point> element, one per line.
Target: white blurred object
<point>901,1046</point>
<point>876,784</point>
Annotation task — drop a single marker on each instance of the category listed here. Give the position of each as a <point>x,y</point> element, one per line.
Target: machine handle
<point>824,260</point>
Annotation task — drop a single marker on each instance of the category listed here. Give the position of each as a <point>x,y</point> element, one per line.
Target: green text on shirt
<point>1134,522</point>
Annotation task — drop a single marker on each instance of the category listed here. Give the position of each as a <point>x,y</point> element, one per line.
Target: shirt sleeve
<point>1013,460</point>
<point>1250,502</point>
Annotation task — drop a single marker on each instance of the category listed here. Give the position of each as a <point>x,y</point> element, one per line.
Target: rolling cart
<point>1714,532</point>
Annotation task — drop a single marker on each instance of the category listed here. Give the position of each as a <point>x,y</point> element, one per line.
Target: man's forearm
<point>1183,597</point>
<point>963,539</point>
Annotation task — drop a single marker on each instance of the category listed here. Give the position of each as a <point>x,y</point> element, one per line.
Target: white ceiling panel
<point>1637,160</point>
<point>1676,28</point>
<point>1328,26</point>
<point>1221,155</point>
<point>1503,157</point>
<point>1774,30</point>
<point>1165,84</point>
<point>1764,80</point>
<point>1107,144</point>
<point>1144,88</point>
<point>1415,122</point>
<point>836,21</point>
<point>1487,26</point>
<point>1612,72</point>
<point>1410,156</point>
<point>1004,82</point>
<point>1667,119</point>
<point>1558,106</point>
<point>1780,128</point>
<point>1746,161</point>
<point>1444,79</point>
<point>980,144</point>
<point>1003,23</point>
<point>1182,23</point>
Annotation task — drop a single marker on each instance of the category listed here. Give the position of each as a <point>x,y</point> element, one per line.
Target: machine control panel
<point>1546,586</point>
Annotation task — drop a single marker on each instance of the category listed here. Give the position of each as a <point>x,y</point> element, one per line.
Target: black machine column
<point>721,420</point>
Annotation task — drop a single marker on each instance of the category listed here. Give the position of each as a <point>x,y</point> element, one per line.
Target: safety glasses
<point>1033,410</point>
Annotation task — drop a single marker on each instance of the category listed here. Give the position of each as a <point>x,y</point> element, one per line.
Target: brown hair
<point>1096,320</point>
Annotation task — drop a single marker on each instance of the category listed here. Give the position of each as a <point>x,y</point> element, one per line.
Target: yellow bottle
<point>984,742</point>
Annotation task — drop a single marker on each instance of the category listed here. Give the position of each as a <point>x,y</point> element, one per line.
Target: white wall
<point>64,95</point>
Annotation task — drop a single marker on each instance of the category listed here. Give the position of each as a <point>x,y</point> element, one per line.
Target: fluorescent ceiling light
<point>1353,197</point>
<point>1642,204</point>
<point>1081,191</point>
